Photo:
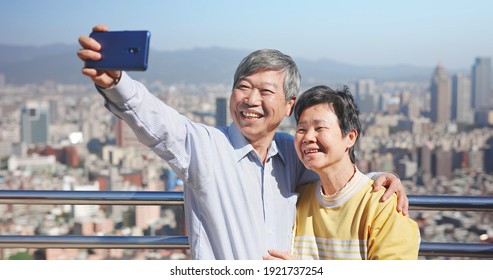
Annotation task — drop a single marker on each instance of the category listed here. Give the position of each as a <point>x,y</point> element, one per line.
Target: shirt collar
<point>243,148</point>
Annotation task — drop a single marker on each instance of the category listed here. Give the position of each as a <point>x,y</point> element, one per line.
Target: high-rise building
<point>414,108</point>
<point>124,136</point>
<point>481,83</point>
<point>442,163</point>
<point>53,109</point>
<point>221,111</point>
<point>425,158</point>
<point>365,96</point>
<point>488,154</point>
<point>440,90</point>
<point>365,87</point>
<point>462,111</point>
<point>119,129</point>
<point>35,120</point>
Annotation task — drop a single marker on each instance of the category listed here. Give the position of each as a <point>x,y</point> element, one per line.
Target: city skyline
<point>381,32</point>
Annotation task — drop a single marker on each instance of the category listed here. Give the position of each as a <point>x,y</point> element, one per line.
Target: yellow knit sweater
<point>352,224</point>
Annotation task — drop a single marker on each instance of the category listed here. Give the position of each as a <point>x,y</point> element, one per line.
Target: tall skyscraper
<point>365,87</point>
<point>35,120</point>
<point>441,96</point>
<point>481,83</point>
<point>462,111</point>
<point>53,109</point>
<point>221,111</point>
<point>365,96</point>
<point>119,129</point>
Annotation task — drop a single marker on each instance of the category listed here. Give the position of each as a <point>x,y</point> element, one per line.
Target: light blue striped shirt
<point>235,207</point>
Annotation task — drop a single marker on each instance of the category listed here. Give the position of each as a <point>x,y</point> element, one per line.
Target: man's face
<point>258,104</point>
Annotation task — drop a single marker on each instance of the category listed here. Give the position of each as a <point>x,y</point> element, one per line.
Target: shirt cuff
<point>120,93</point>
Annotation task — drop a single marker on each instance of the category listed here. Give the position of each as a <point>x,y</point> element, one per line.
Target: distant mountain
<point>59,63</point>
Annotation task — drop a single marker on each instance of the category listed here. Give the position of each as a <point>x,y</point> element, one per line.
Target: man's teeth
<point>311,151</point>
<point>251,115</point>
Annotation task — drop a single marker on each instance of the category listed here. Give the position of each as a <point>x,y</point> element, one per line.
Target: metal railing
<point>434,249</point>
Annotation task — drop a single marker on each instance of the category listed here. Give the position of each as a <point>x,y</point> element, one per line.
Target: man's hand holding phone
<point>106,54</point>
<point>90,51</point>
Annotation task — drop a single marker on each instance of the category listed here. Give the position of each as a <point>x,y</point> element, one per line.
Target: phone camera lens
<point>133,50</point>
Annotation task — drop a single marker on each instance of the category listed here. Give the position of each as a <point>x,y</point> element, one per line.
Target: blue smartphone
<point>122,50</point>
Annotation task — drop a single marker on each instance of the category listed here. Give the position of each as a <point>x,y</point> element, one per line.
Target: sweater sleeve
<point>393,236</point>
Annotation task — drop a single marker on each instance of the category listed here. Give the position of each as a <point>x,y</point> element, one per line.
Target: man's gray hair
<point>270,59</point>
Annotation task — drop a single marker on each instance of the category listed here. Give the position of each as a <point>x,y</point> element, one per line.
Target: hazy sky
<point>367,32</point>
